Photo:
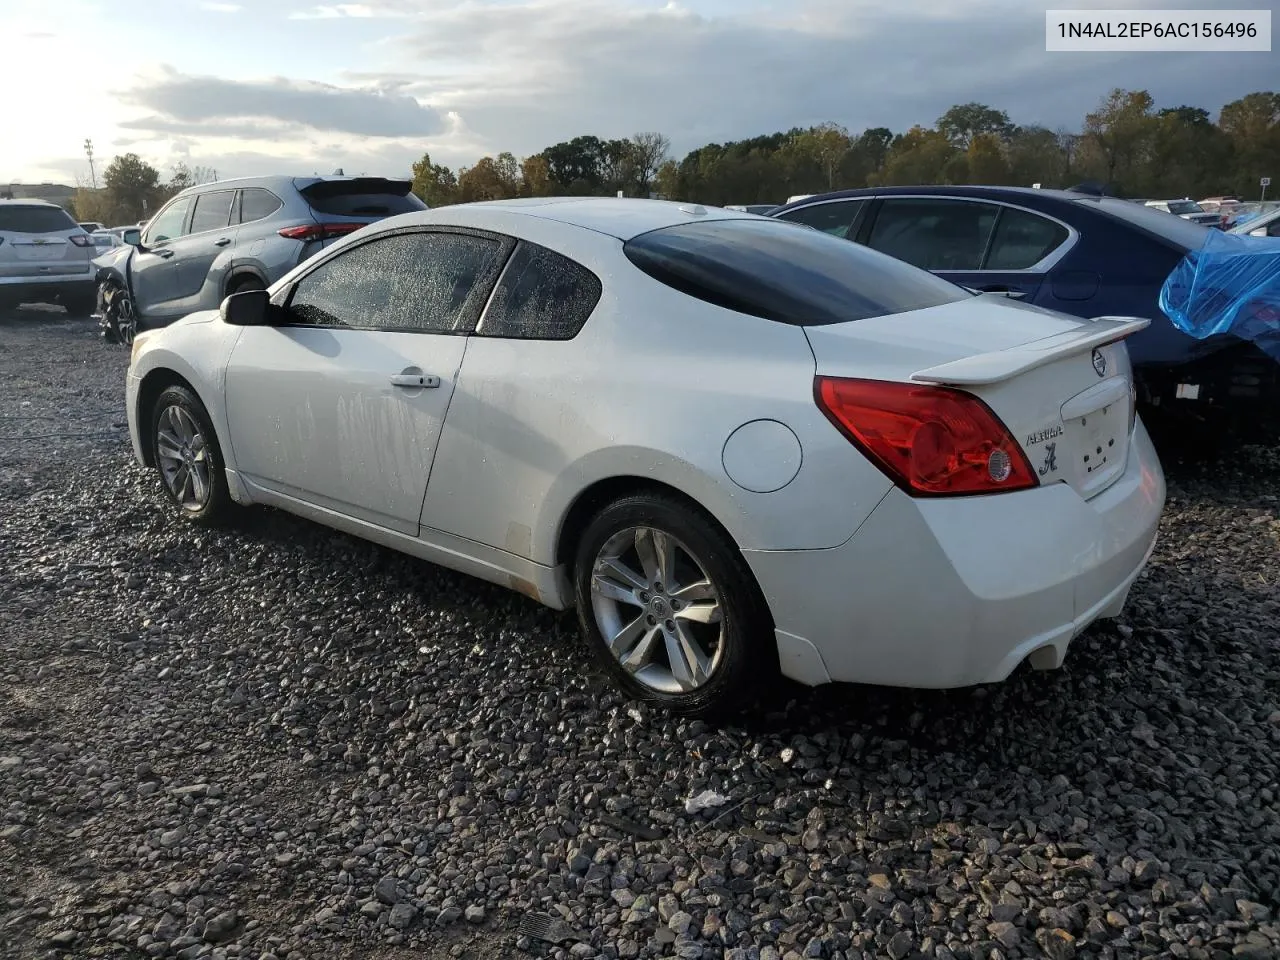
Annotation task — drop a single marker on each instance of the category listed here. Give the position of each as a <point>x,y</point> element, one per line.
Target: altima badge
<point>1100,362</point>
<point>1040,436</point>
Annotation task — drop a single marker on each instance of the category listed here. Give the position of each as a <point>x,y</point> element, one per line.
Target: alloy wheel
<point>657,610</point>
<point>183,456</point>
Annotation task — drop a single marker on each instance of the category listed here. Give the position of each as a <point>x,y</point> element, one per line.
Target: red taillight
<point>81,239</point>
<point>930,441</point>
<point>319,231</point>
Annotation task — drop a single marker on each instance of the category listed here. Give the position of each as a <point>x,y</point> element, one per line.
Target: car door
<point>949,236</point>
<point>840,218</point>
<point>340,404</point>
<point>153,274</point>
<point>207,237</point>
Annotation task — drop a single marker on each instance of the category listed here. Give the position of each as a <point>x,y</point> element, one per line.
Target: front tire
<point>188,458</point>
<point>671,609</point>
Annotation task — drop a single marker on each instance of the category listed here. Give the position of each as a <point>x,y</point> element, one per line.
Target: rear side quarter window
<point>785,272</point>
<point>541,295</point>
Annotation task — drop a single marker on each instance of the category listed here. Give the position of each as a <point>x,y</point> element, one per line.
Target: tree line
<point>1125,143</point>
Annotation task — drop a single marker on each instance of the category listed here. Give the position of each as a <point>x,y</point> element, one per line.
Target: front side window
<point>213,211</point>
<point>1022,240</point>
<point>412,282</point>
<point>784,272</point>
<point>257,204</point>
<point>835,218</point>
<point>934,233</point>
<point>169,222</point>
<point>540,296</point>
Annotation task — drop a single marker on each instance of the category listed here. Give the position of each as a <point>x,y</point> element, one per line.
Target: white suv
<point>45,256</point>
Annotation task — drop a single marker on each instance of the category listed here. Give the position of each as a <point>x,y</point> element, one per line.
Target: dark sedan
<point>1078,253</point>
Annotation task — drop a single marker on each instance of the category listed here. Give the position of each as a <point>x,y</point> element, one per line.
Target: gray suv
<point>45,257</point>
<point>221,238</point>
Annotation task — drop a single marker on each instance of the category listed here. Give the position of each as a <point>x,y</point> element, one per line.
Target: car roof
<point>619,217</point>
<point>32,202</point>
<point>280,180</point>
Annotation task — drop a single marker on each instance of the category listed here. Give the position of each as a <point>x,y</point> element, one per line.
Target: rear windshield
<point>785,272</point>
<point>1185,206</point>
<point>35,219</point>
<point>377,199</point>
<point>1175,230</point>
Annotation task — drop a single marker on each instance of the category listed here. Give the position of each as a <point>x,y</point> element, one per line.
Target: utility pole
<point>1266,182</point>
<point>88,152</point>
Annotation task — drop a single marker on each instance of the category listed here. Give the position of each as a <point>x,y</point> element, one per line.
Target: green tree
<point>826,145</point>
<point>1118,135</point>
<point>1035,156</point>
<point>667,181</point>
<point>1252,126</point>
<point>965,121</point>
<point>919,156</point>
<point>435,184</point>
<point>986,159</point>
<point>535,176</point>
<point>132,184</point>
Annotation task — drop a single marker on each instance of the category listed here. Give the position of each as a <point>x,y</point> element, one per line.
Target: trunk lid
<point>1062,386</point>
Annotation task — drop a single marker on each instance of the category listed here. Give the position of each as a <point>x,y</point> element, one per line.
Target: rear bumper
<point>951,593</point>
<point>1240,379</point>
<point>38,284</point>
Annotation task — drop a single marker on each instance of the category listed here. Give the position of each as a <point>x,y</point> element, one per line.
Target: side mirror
<point>252,308</point>
<point>133,237</point>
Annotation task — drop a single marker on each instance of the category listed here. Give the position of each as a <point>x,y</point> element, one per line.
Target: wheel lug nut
<point>651,619</point>
<point>644,596</point>
<point>658,586</point>
<point>671,626</point>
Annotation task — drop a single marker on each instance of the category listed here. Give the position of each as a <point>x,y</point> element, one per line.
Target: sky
<point>250,87</point>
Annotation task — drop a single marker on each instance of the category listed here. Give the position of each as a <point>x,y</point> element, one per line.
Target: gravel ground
<point>281,742</point>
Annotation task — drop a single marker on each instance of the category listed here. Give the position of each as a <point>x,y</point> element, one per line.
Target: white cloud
<point>188,103</point>
<point>334,12</point>
<point>221,7</point>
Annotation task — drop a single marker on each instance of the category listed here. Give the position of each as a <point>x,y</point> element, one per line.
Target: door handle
<point>222,241</point>
<point>1010,292</point>
<point>415,380</point>
<point>166,254</point>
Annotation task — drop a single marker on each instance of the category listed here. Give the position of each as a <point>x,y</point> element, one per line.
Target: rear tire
<point>188,458</point>
<point>690,631</point>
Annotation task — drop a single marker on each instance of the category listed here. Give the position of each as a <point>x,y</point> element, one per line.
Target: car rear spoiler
<point>1002,365</point>
<point>356,185</point>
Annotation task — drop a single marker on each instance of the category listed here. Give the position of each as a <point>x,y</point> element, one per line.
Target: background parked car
<point>233,235</point>
<point>92,226</point>
<point>1264,225</point>
<point>757,208</point>
<point>45,256</point>
<point>1079,253</point>
<point>1187,209</point>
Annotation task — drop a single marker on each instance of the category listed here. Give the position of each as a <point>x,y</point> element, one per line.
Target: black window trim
<point>239,205</point>
<point>493,292</point>
<point>1039,268</point>
<point>196,200</point>
<point>284,298</point>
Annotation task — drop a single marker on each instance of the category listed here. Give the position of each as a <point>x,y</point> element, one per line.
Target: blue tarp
<point>1230,285</point>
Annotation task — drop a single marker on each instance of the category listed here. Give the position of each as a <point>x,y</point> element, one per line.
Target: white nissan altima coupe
<point>737,446</point>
